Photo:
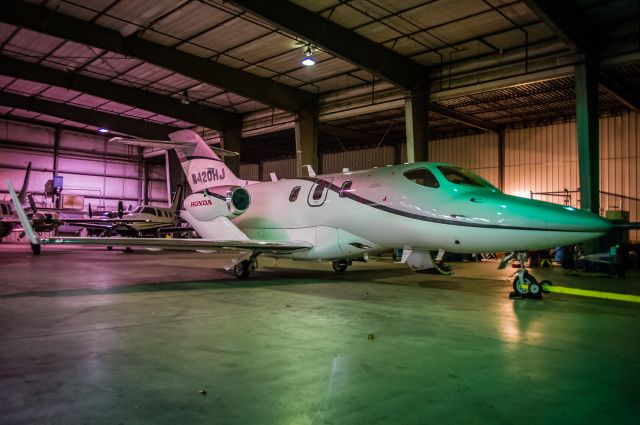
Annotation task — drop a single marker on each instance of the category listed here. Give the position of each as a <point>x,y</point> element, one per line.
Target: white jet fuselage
<point>383,209</point>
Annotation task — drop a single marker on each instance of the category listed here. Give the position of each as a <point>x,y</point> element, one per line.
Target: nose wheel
<point>340,266</point>
<point>525,285</point>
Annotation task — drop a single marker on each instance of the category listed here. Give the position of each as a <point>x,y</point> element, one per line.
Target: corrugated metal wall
<point>249,172</point>
<point>478,153</point>
<point>284,169</point>
<point>358,160</point>
<point>89,166</point>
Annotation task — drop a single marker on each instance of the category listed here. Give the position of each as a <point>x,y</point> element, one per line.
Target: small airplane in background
<point>144,220</point>
<point>8,218</point>
<point>421,207</point>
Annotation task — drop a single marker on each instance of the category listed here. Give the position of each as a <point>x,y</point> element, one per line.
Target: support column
<point>231,141</point>
<point>416,113</point>
<point>56,153</point>
<point>307,138</point>
<point>501,158</point>
<point>588,132</point>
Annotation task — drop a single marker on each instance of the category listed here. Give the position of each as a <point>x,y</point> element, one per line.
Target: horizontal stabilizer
<point>167,144</point>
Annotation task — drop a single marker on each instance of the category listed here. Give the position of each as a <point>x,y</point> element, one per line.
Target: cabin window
<point>317,193</point>
<point>458,175</point>
<point>423,177</point>
<point>148,210</point>
<point>294,194</point>
<point>5,210</point>
<point>344,189</point>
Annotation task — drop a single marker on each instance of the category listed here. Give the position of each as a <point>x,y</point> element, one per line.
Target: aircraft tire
<point>242,269</point>
<point>522,286</point>
<point>535,290</point>
<point>36,248</point>
<point>340,266</point>
<point>545,286</point>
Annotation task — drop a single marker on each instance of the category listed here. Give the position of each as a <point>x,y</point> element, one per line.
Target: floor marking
<point>594,294</point>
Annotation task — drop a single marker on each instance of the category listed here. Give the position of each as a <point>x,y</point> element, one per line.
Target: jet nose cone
<point>579,220</point>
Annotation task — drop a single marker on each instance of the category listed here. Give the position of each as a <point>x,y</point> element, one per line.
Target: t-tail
<point>201,165</point>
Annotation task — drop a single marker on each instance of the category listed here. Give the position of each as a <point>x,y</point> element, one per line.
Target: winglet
<point>23,219</point>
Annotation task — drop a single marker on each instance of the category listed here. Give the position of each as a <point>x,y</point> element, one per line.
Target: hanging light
<point>308,57</point>
<point>184,98</point>
<point>103,130</point>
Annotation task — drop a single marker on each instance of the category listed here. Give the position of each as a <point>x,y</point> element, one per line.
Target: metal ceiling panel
<point>49,118</point>
<point>17,112</point>
<point>228,99</point>
<point>203,91</point>
<point>175,82</point>
<point>322,70</point>
<point>5,81</point>
<point>250,106</point>
<point>191,19</point>
<point>25,87</point>
<point>88,101</point>
<point>260,71</point>
<point>234,63</point>
<point>115,107</point>
<point>33,44</point>
<point>73,55</point>
<point>268,45</point>
<point>194,50</point>
<point>60,94</point>
<point>6,31</point>
<point>111,65</point>
<point>229,35</point>
<point>317,5</point>
<point>346,16</point>
<point>162,119</point>
<point>441,12</point>
<point>89,10</point>
<point>138,113</point>
<point>145,74</point>
<point>130,15</point>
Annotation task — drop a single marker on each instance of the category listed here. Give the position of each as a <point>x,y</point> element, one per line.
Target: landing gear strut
<point>340,266</point>
<point>243,269</point>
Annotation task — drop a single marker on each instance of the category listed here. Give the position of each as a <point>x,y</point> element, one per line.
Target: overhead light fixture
<point>103,130</point>
<point>308,59</point>
<point>184,98</point>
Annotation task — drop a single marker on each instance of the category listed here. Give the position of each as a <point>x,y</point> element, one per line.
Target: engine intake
<point>226,201</point>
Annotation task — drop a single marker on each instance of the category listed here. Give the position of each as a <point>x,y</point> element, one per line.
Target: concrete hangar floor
<point>104,337</point>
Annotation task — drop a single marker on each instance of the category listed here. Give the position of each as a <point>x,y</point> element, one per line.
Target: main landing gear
<point>340,266</point>
<point>525,285</point>
<point>243,269</point>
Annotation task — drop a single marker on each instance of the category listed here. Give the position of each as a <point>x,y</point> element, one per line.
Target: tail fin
<point>26,225</point>
<point>25,186</point>
<point>176,200</point>
<point>200,163</point>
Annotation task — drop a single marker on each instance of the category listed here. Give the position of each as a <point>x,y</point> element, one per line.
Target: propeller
<point>90,212</point>
<point>120,209</point>
<point>32,203</point>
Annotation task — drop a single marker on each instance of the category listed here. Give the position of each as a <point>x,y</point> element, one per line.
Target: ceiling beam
<point>565,21</point>
<point>463,118</point>
<point>340,41</point>
<point>118,123</point>
<point>143,99</point>
<point>49,22</point>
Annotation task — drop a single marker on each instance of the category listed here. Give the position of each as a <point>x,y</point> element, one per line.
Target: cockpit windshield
<point>461,176</point>
<point>137,210</point>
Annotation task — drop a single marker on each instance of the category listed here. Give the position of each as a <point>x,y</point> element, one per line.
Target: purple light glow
<point>103,130</point>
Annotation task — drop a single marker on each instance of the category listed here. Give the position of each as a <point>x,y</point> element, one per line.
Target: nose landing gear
<point>525,285</point>
<point>243,269</point>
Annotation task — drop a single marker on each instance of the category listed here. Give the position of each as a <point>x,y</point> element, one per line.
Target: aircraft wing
<point>256,246</point>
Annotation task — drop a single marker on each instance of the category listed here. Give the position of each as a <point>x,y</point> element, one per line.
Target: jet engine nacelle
<point>225,201</point>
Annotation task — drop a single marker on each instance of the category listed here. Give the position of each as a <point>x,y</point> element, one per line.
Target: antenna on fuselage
<point>380,142</point>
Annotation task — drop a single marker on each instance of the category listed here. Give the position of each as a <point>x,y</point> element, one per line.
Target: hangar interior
<point>541,98</point>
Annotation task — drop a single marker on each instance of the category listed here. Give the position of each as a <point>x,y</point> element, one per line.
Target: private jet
<point>421,207</point>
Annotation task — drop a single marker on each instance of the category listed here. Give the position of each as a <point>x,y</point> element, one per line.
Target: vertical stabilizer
<point>200,164</point>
